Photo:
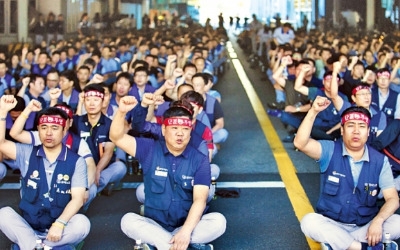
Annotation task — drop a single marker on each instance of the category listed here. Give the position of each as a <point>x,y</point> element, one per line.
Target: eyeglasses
<point>363,94</point>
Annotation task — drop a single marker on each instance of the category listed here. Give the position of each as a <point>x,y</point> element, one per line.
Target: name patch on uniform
<point>333,179</point>
<point>32,184</point>
<point>161,173</point>
<point>85,134</point>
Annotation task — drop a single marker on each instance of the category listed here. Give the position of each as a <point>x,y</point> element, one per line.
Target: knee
<point>83,224</point>
<point>309,221</point>
<point>220,222</point>
<point>5,214</point>
<point>127,222</point>
<point>215,171</point>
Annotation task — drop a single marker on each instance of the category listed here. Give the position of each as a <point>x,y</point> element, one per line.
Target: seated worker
<point>212,108</point>
<point>327,123</point>
<point>173,218</point>
<point>361,96</point>
<point>54,180</point>
<point>352,173</point>
<point>71,139</point>
<point>201,135</point>
<point>94,128</point>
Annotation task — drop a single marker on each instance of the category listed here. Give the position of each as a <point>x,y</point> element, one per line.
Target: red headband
<point>178,121</point>
<point>66,110</point>
<point>355,116</point>
<point>356,89</point>
<point>52,119</point>
<point>94,93</point>
<point>383,74</point>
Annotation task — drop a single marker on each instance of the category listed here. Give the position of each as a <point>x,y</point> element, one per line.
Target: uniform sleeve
<point>326,154</point>
<point>22,157</point>
<point>203,173</point>
<point>80,178</point>
<point>386,176</point>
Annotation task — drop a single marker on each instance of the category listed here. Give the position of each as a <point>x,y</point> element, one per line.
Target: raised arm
<point>335,97</point>
<point>298,84</point>
<point>17,130</point>
<point>126,142</point>
<point>303,141</point>
<point>278,76</point>
<point>8,148</point>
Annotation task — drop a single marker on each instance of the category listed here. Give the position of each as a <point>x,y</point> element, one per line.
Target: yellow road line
<point>287,171</point>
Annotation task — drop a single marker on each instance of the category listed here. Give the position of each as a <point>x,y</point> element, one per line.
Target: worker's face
<point>176,137</point>
<point>51,135</point>
<point>355,134</point>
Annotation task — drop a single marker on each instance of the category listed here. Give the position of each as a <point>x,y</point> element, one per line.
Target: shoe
<point>378,246</point>
<point>274,112</point>
<point>148,247</point>
<point>325,246</point>
<point>289,138</point>
<point>199,246</point>
<point>107,191</point>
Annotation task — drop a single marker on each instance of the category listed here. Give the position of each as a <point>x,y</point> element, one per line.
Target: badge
<point>161,173</point>
<point>333,179</point>
<point>66,177</point>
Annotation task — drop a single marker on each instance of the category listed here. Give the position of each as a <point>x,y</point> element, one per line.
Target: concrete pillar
<point>22,20</point>
<point>370,15</point>
<point>336,12</point>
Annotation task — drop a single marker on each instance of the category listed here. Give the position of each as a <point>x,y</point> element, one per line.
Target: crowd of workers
<point>337,94</point>
<point>61,102</point>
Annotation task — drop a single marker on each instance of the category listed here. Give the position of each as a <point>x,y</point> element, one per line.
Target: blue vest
<point>374,125</point>
<point>35,69</point>
<point>169,196</point>
<point>73,101</point>
<point>40,212</point>
<point>339,199</point>
<point>8,78</point>
<point>389,107</point>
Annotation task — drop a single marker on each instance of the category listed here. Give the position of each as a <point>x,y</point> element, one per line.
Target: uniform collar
<point>61,157</point>
<point>365,156</point>
<point>165,150</point>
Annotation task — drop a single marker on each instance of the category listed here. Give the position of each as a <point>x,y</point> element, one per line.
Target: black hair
<point>94,87</point>
<point>203,76</point>
<point>20,104</point>
<point>141,69</point>
<point>189,65</point>
<point>127,76</point>
<point>193,96</point>
<point>71,76</point>
<point>179,108</point>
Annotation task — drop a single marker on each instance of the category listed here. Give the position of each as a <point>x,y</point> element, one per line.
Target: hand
<point>26,81</point>
<point>187,52</point>
<point>169,84</point>
<point>320,103</point>
<point>180,241</point>
<point>354,59</point>
<point>81,97</point>
<point>34,105</point>
<point>177,72</point>
<point>290,109</point>
<point>54,93</point>
<point>337,66</point>
<point>374,233</point>
<point>127,103</point>
<point>287,60</point>
<point>171,58</point>
<point>37,51</point>
<point>7,102</point>
<point>305,68</point>
<point>24,51</point>
<point>55,233</point>
<point>97,78</point>
<point>151,99</point>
